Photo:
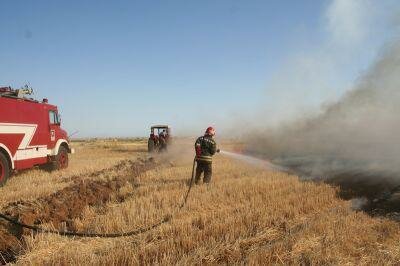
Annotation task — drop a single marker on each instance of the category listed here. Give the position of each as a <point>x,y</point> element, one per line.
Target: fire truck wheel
<point>4,169</point>
<point>61,160</point>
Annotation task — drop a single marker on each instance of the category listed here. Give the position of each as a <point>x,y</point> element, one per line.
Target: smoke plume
<point>359,134</point>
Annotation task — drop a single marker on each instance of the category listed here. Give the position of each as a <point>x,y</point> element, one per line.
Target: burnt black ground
<point>379,191</point>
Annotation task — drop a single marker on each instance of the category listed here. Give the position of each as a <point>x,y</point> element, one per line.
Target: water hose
<point>166,219</point>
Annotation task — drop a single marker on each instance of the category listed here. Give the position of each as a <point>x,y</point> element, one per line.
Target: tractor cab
<point>159,139</point>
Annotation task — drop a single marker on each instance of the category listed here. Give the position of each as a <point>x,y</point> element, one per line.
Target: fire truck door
<point>53,125</point>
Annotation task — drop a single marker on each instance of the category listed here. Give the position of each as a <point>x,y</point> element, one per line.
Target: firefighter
<point>205,148</point>
<point>163,140</point>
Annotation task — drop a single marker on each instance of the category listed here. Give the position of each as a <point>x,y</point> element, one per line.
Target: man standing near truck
<point>205,147</point>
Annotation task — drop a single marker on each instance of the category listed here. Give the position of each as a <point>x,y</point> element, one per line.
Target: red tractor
<point>30,133</point>
<point>160,138</point>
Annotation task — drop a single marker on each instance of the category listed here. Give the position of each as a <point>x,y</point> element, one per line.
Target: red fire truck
<point>30,133</point>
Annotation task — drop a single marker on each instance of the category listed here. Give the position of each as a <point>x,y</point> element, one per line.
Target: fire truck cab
<point>30,134</point>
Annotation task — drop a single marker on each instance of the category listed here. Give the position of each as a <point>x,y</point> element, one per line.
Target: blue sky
<point>116,67</point>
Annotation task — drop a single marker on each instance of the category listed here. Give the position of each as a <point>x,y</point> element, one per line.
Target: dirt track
<point>61,208</point>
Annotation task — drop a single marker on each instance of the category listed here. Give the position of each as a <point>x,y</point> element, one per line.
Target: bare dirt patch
<point>62,207</point>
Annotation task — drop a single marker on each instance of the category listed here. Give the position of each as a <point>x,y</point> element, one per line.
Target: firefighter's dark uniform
<point>204,159</point>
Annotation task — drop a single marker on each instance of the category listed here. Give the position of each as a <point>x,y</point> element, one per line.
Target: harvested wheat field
<point>247,215</point>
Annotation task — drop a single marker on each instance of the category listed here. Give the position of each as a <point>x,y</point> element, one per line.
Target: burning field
<point>250,214</point>
<point>302,97</point>
<point>352,142</point>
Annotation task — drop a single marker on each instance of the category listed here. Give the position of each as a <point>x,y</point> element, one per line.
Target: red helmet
<point>210,131</point>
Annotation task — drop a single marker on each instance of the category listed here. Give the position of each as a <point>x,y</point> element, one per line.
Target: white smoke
<point>361,131</point>
<point>320,69</point>
<point>349,22</point>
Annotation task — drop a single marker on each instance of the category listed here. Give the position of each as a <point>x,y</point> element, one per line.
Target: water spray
<point>264,164</point>
<point>73,134</point>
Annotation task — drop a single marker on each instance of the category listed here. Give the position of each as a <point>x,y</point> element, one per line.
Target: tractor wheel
<point>4,169</point>
<point>61,159</point>
<point>151,145</point>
